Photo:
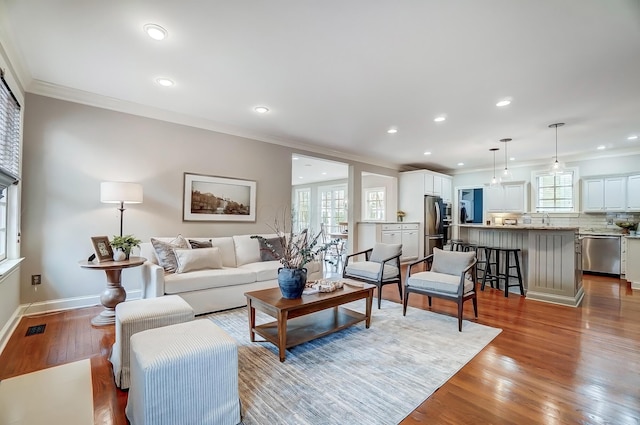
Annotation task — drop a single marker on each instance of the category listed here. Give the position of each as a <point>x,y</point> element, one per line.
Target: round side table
<point>114,294</point>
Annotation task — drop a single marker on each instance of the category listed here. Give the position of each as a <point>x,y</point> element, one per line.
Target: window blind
<point>9,136</point>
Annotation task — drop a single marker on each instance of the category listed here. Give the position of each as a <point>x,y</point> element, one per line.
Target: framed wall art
<point>102,247</point>
<point>212,198</point>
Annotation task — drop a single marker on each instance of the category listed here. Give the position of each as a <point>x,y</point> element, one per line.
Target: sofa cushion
<point>451,262</point>
<point>189,260</point>
<point>164,252</point>
<point>207,279</point>
<point>264,270</point>
<point>247,249</point>
<point>227,250</point>
<point>438,282</point>
<point>273,252</point>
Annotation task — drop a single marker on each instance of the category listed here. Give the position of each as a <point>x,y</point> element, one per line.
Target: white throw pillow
<point>189,260</point>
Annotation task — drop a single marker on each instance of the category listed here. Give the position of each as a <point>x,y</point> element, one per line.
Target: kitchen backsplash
<point>583,221</point>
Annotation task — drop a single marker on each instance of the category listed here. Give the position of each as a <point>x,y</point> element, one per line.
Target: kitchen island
<point>551,260</point>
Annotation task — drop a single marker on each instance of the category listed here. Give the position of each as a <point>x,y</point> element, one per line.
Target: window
<point>333,206</point>
<point>302,209</point>
<point>9,154</point>
<point>374,206</point>
<point>555,193</point>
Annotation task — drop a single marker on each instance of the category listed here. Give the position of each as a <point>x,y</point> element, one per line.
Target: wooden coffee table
<point>307,318</point>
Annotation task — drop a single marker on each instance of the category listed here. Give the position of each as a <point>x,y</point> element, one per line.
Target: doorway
<point>470,205</point>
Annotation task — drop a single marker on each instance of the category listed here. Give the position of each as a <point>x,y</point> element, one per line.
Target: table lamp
<point>121,193</point>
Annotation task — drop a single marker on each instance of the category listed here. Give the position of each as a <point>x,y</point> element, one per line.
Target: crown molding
<point>99,101</point>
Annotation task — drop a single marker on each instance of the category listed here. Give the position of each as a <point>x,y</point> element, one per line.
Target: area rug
<point>356,376</point>
<point>57,395</point>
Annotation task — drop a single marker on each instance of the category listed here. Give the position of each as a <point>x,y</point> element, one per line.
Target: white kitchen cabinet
<point>437,185</point>
<point>447,190</point>
<point>633,193</point>
<point>592,195</point>
<point>408,234</point>
<point>604,194</point>
<point>410,241</point>
<point>411,194</point>
<point>508,197</point>
<point>429,181</point>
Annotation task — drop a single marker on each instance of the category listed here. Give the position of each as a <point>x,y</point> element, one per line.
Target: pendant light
<point>556,167</point>
<point>494,181</point>
<point>506,174</point>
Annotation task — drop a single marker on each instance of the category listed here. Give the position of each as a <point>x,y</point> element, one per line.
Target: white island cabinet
<point>632,263</point>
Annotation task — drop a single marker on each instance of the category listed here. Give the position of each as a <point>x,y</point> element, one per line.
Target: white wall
<point>70,148</point>
<point>391,192</point>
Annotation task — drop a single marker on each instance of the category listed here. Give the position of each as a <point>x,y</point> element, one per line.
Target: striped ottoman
<point>184,374</point>
<point>139,315</point>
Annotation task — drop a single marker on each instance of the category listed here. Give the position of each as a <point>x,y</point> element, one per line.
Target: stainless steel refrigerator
<point>434,224</point>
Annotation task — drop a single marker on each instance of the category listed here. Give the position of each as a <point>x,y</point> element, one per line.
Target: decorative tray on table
<point>322,285</point>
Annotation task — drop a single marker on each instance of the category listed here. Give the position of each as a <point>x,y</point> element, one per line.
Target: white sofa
<point>216,289</point>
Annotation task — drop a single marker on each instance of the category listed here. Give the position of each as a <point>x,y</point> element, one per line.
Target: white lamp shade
<point>116,192</point>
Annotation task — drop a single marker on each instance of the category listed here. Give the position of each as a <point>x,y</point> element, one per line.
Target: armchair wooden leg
<point>460,309</point>
<point>475,306</point>
<point>405,302</point>
<point>379,296</point>
<point>400,289</point>
<point>429,298</point>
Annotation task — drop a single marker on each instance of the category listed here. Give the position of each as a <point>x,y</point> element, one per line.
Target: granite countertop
<point>519,227</point>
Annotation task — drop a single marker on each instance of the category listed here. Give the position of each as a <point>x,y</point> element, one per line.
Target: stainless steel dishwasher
<point>601,254</point>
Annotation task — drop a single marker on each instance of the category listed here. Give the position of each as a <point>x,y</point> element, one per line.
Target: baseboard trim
<point>67,304</point>
<point>9,327</point>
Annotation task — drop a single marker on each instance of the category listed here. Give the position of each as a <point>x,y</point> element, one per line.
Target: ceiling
<point>336,76</point>
<point>306,170</point>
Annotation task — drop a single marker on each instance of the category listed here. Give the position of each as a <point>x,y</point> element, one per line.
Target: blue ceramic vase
<point>291,282</point>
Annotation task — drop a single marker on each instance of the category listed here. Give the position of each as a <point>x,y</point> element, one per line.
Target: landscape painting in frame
<point>211,198</point>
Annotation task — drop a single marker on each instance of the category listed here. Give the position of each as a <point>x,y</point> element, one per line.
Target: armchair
<point>449,275</point>
<point>381,267</point>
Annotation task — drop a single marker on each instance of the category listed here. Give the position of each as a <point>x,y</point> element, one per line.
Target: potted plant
<point>123,244</point>
<point>400,214</point>
<point>293,250</point>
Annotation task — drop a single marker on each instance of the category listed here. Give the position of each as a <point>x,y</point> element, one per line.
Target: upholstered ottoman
<point>140,315</point>
<point>184,374</point>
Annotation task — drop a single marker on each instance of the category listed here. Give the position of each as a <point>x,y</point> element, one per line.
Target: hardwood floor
<point>550,365</point>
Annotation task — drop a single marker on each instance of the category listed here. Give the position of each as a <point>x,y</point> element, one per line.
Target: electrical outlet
<point>36,279</point>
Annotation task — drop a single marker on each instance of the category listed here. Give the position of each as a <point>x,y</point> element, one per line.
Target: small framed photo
<point>103,248</point>
<point>212,198</point>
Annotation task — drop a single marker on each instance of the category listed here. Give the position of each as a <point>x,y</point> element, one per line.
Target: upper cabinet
<point>413,185</point>
<point>633,193</point>
<point>604,194</point>
<point>508,197</point>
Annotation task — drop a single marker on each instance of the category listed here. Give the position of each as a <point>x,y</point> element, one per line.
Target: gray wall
<point>70,148</point>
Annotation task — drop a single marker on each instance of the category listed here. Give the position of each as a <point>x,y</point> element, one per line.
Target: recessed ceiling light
<point>601,147</point>
<point>440,119</point>
<point>427,153</point>
<point>504,102</point>
<point>295,158</point>
<point>155,31</point>
<point>300,177</point>
<point>261,109</point>
<point>460,164</point>
<point>392,130</point>
<point>634,137</point>
<point>324,173</point>
<point>512,158</point>
<point>165,82</point>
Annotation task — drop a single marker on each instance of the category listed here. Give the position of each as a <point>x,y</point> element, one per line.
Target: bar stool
<point>491,270</point>
<point>481,259</point>
<point>508,254</point>
<point>457,245</point>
